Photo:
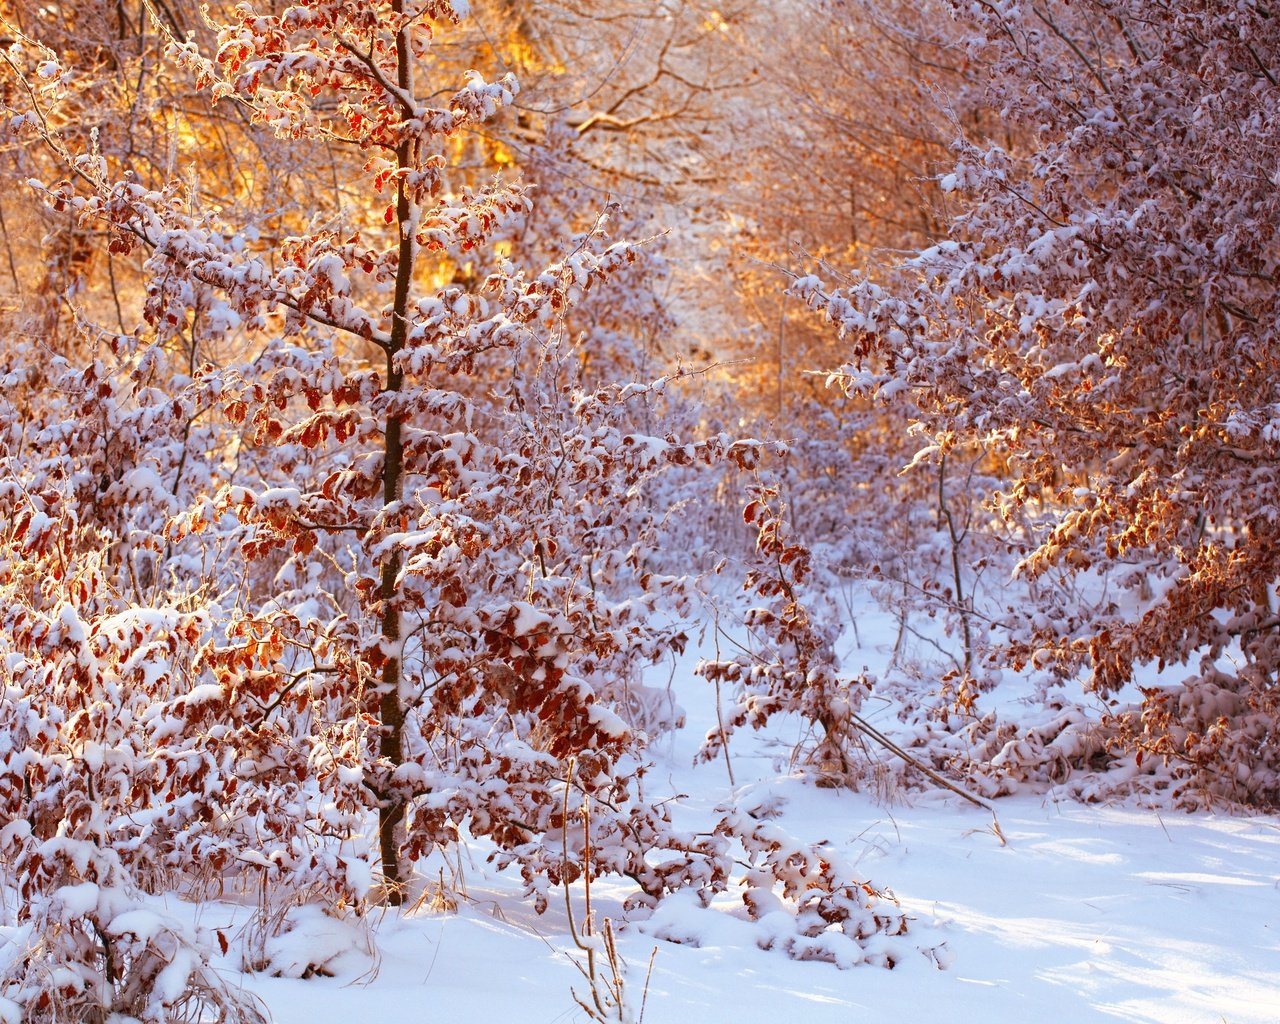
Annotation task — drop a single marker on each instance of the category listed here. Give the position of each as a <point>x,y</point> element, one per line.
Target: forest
<point>639,509</point>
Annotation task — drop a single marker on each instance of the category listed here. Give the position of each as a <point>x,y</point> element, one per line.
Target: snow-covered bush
<point>104,796</point>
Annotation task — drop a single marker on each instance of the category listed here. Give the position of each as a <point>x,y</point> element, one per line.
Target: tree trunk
<point>391,807</point>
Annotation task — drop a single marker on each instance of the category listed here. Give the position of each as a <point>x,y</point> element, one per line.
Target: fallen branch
<point>872,733</point>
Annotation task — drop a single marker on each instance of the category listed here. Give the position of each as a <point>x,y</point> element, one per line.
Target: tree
<point>1100,319</point>
<point>390,521</point>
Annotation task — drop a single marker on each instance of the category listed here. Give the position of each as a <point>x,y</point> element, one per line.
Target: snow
<point>73,627</point>
<point>145,925</point>
<point>78,900</point>
<point>289,497</point>
<point>526,618</point>
<point>316,943</point>
<point>606,721</point>
<point>1086,913</point>
<point>144,483</point>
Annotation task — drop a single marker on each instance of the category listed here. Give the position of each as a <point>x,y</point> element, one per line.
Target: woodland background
<point>388,386</point>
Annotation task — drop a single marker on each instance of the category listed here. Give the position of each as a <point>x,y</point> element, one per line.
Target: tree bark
<point>391,808</point>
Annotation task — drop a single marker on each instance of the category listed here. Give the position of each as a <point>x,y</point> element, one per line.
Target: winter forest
<point>639,510</point>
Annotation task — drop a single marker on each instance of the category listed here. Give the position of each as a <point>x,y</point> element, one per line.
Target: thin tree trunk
<point>391,809</point>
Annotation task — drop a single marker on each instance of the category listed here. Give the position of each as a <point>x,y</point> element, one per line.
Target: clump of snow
<point>316,943</point>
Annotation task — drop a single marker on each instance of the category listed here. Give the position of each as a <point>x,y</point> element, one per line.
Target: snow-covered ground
<point>1085,913</point>
<point>1088,914</point>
